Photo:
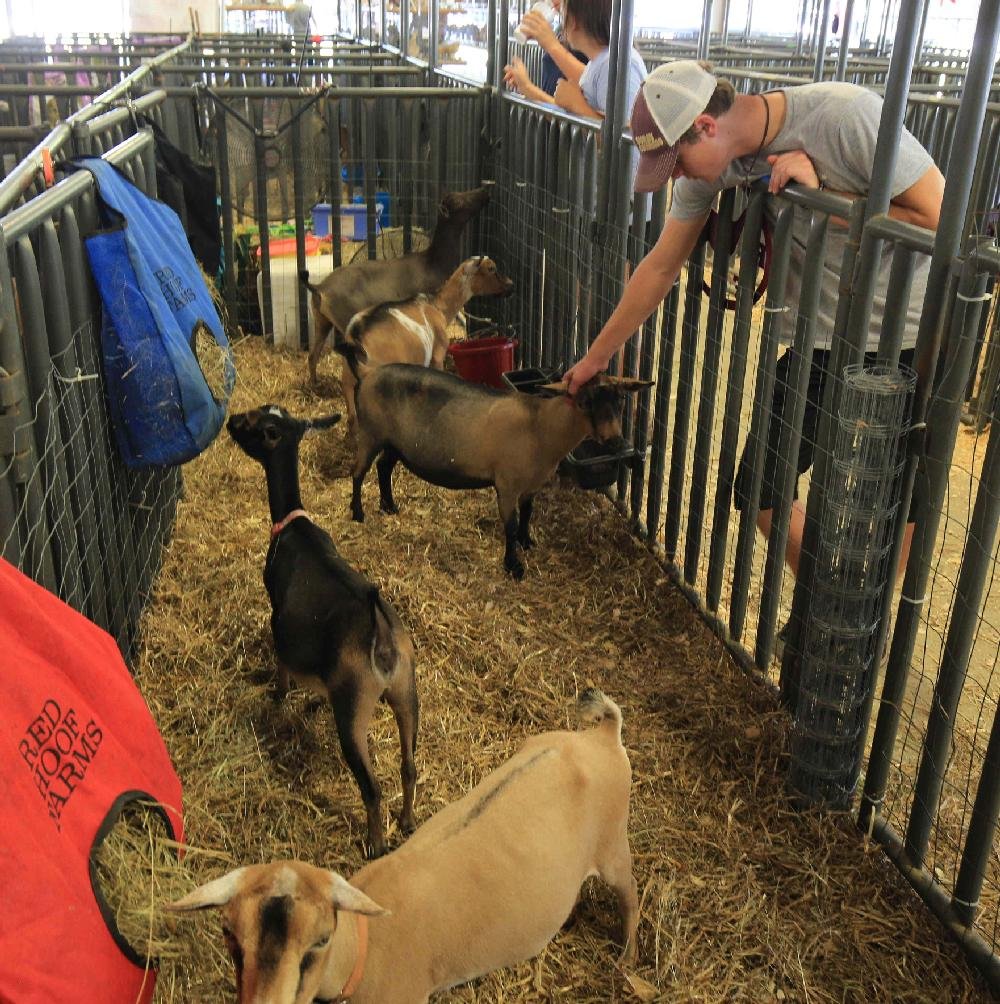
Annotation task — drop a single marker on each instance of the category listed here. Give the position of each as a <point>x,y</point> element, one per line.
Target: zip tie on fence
<point>982,298</point>
<point>777,310</point>
<point>974,905</point>
<point>555,210</point>
<point>77,377</point>
<point>914,602</point>
<point>520,184</point>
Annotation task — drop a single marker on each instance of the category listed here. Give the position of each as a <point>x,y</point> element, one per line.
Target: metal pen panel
<point>685,390</point>
<point>67,377</point>
<point>48,438</point>
<point>787,473</point>
<point>756,444</point>
<point>946,244</point>
<point>661,410</point>
<point>726,464</point>
<point>721,256</point>
<point>943,417</point>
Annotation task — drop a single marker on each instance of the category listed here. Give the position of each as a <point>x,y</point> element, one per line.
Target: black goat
<point>333,632</point>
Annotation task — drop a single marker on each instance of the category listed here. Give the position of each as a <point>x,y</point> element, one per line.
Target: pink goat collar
<point>294,514</point>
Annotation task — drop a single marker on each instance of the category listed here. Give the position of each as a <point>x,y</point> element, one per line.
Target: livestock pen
<point>742,893</point>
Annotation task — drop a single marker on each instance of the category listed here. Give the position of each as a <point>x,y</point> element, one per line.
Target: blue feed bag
<point>168,366</point>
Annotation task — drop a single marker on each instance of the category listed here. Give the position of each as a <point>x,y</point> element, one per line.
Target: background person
<point>694,128</point>
<point>587,28</point>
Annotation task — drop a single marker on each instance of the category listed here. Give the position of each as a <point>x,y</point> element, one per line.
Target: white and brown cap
<point>670,99</point>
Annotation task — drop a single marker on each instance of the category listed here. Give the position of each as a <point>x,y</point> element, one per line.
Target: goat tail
<point>304,279</point>
<point>595,708</point>
<point>354,353</point>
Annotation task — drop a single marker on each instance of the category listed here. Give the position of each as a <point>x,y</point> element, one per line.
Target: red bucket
<point>484,360</point>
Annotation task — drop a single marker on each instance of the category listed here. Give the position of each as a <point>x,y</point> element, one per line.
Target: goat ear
<point>344,896</point>
<point>327,422</point>
<point>627,384</point>
<point>218,892</point>
<point>555,388</point>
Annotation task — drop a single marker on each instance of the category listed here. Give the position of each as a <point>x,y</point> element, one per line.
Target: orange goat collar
<point>294,514</point>
<point>354,980</point>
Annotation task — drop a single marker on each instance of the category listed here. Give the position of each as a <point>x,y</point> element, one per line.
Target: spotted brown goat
<point>416,330</point>
<point>333,632</point>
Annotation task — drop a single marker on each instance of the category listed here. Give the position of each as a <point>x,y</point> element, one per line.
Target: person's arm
<point>570,97</point>
<point>515,76</point>
<point>645,291</point>
<point>535,26</point>
<point>920,204</point>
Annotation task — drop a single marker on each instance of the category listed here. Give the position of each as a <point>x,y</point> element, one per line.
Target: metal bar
<point>661,410</point>
<point>845,39</point>
<point>983,820</point>
<point>721,255</point>
<point>822,27</point>
<point>980,952</point>
<point>756,444</point>
<point>685,389</point>
<point>897,299</point>
<point>749,261</point>
<point>791,436</point>
<point>947,406</point>
<point>946,244</point>
<point>705,34</point>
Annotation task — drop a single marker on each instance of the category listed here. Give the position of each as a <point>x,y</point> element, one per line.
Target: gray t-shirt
<point>837,126</point>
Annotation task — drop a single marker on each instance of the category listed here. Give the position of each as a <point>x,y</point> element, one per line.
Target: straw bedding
<point>742,898</point>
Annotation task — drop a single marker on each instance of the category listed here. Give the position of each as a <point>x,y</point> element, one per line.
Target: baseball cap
<point>667,104</point>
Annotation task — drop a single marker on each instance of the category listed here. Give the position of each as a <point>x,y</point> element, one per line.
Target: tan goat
<point>485,883</point>
<point>416,330</point>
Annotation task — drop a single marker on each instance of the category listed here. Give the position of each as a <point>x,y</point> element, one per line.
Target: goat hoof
<point>515,569</point>
<point>391,509</point>
<point>407,824</point>
<point>357,516</point>
<point>527,543</point>
<point>372,852</point>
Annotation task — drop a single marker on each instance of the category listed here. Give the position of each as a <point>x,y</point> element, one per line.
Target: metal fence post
<point>946,246</point>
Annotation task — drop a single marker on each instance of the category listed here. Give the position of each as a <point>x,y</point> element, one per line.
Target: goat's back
<point>441,424</point>
<point>491,878</point>
<point>360,285</point>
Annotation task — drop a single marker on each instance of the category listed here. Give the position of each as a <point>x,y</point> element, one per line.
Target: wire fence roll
<point>837,671</point>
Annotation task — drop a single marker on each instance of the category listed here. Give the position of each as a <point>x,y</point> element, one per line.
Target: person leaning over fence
<point>587,28</point>
<point>694,128</point>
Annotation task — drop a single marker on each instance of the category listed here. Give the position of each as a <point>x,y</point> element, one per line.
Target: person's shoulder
<point>833,95</point>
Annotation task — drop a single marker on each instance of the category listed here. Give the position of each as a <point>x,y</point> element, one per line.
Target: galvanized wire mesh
<point>851,573</point>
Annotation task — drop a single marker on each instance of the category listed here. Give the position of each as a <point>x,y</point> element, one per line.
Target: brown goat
<point>462,435</point>
<point>487,882</point>
<point>333,632</point>
<point>416,330</point>
<point>359,285</point>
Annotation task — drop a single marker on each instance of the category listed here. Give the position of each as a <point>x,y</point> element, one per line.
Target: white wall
<point>169,15</point>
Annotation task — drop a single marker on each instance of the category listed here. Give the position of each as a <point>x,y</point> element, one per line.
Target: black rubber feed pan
<point>592,465</point>
<point>530,380</point>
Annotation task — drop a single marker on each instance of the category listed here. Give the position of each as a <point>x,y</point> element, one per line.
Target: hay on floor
<point>742,898</point>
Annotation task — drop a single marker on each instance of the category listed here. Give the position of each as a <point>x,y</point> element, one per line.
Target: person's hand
<point>535,26</point>
<point>586,369</point>
<point>794,165</point>
<point>515,76</point>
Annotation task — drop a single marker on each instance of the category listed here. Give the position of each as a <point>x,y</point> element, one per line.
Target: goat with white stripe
<point>415,331</point>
